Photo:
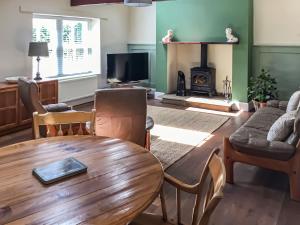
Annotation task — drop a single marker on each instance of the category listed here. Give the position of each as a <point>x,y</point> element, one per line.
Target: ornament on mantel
<point>230,37</point>
<point>168,38</point>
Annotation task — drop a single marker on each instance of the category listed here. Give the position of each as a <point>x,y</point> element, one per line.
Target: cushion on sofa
<point>282,127</point>
<point>293,102</point>
<point>293,139</point>
<point>251,138</point>
<point>264,118</point>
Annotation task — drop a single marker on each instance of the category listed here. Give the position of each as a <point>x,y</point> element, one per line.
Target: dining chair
<point>210,186</point>
<point>121,113</point>
<point>64,123</point>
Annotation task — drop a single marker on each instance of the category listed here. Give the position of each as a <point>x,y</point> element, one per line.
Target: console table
<point>13,115</point>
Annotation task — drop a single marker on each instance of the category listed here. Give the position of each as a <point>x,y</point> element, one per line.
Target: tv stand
<point>150,91</point>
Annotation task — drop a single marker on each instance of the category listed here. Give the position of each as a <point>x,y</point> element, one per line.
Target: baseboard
<point>158,95</point>
<point>243,106</point>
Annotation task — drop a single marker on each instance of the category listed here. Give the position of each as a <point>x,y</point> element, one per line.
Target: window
<point>74,45</point>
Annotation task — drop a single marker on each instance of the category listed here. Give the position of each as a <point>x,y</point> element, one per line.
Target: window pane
<point>71,46</point>
<point>45,30</point>
<point>75,47</point>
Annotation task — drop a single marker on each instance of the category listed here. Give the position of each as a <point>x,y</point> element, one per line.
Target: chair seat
<point>149,219</point>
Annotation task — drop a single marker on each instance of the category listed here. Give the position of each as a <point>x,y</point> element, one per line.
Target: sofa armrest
<point>278,104</point>
<point>60,107</point>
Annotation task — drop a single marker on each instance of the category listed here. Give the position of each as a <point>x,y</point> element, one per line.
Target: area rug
<point>176,132</point>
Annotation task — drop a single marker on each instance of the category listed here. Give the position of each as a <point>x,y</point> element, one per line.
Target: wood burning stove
<point>203,78</point>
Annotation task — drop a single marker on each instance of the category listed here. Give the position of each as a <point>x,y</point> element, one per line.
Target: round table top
<point>122,180</point>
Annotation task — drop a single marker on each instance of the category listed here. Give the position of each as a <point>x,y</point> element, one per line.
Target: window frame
<point>59,32</point>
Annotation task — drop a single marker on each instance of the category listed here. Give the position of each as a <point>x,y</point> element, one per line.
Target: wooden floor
<point>258,197</point>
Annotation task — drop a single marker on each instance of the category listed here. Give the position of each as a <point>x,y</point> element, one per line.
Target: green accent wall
<point>206,20</point>
<point>283,64</point>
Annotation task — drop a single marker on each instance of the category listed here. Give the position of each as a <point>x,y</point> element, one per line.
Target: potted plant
<point>262,88</point>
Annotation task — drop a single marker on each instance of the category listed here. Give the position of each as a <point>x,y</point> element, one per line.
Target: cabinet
<point>13,115</point>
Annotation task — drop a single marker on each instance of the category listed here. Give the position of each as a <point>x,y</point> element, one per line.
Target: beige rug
<point>177,132</point>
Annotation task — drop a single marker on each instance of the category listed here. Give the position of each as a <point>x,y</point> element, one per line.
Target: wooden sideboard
<point>13,115</point>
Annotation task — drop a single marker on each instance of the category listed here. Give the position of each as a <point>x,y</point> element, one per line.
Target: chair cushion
<point>282,127</point>
<point>293,102</point>
<point>60,107</point>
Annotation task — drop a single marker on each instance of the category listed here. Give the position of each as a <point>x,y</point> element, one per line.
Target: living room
<point>149,112</point>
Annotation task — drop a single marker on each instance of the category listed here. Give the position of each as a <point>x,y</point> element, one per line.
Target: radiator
<point>77,89</point>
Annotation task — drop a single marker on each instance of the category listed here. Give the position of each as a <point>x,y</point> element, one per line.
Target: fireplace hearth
<point>203,78</point>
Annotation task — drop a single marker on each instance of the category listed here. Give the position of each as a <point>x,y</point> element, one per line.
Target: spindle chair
<point>64,123</point>
<point>213,174</point>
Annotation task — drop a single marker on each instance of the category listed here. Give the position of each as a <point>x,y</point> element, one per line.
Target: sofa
<point>269,139</point>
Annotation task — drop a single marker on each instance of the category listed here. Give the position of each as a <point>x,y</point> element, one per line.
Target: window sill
<point>76,77</point>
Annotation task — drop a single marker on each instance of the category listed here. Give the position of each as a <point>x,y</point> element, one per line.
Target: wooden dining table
<point>121,181</point>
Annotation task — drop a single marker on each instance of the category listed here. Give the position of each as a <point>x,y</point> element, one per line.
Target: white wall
<point>142,25</point>
<point>16,31</point>
<point>276,22</point>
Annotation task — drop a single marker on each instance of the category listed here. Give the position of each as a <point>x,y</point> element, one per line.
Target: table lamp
<point>38,49</point>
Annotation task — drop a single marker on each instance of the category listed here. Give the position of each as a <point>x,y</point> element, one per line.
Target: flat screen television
<point>127,67</point>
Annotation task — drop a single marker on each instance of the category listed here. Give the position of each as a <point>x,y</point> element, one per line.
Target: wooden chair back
<point>29,94</point>
<point>55,120</point>
<point>121,113</point>
<point>214,173</point>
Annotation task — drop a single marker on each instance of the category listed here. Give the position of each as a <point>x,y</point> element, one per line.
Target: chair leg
<point>163,205</point>
<point>229,171</point>
<point>148,140</point>
<point>295,186</point>
<point>229,163</point>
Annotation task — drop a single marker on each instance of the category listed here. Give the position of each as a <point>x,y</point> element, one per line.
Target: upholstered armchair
<point>29,93</point>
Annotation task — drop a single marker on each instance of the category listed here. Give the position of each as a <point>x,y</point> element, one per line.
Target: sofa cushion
<point>264,118</point>
<point>251,142</point>
<point>293,139</point>
<point>282,127</point>
<point>251,138</point>
<point>293,102</point>
<point>273,103</point>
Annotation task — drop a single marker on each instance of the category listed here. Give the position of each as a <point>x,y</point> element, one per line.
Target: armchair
<point>29,93</point>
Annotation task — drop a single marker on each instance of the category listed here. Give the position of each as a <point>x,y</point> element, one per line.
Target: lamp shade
<point>138,3</point>
<point>38,49</point>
